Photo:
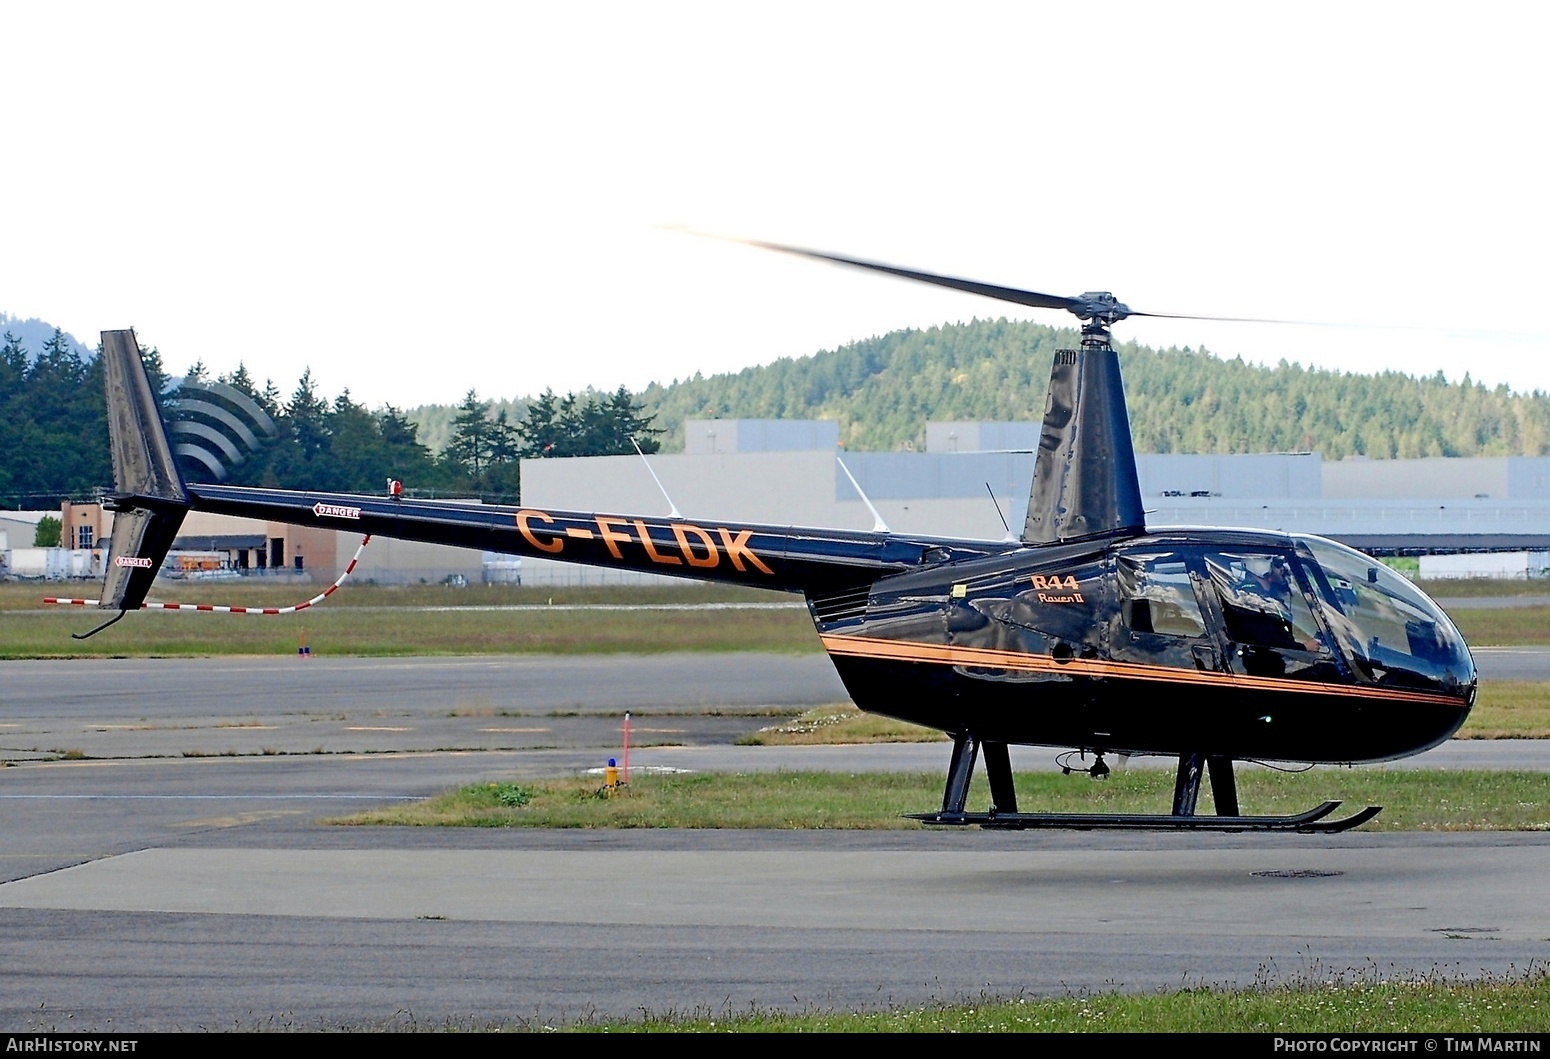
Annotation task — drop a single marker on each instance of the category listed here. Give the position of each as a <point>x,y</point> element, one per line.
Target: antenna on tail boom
<point>878,525</point>
<point>672,508</point>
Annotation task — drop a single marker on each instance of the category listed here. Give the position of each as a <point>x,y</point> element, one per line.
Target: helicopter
<point>1090,631</point>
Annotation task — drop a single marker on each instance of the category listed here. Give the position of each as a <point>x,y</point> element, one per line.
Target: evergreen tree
<point>502,476</point>
<point>241,381</point>
<point>307,416</point>
<point>13,373</point>
<point>395,429</point>
<point>298,456</point>
<point>402,455</point>
<point>154,371</point>
<point>269,399</point>
<point>62,422</point>
<point>627,426</point>
<point>473,435</point>
<point>13,365</point>
<point>505,441</point>
<point>541,431</point>
<point>357,459</point>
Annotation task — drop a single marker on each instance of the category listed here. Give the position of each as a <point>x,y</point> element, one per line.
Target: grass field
<point>348,628</point>
<point>1509,709</point>
<point>1461,588</point>
<point>1514,627</point>
<point>27,595</point>
<point>1312,999</point>
<point>400,630</point>
<point>1316,1001</point>
<point>366,619</point>
<point>1505,709</point>
<point>1413,800</point>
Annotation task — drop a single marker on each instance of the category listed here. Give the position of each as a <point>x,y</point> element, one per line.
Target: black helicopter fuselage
<point>1155,643</point>
<point>1165,643</point>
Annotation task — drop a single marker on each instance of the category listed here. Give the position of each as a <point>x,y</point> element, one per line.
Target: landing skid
<point>1312,822</point>
<point>1186,791</point>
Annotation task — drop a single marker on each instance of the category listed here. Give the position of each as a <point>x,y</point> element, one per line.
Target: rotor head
<point>1101,306</point>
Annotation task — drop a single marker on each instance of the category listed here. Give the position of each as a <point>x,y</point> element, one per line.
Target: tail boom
<point>781,558</point>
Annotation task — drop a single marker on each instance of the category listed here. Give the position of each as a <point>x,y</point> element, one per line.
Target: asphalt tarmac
<point>161,882</point>
<point>102,708</point>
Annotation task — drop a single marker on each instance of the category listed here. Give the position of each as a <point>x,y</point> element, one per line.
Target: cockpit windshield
<point>1388,628</point>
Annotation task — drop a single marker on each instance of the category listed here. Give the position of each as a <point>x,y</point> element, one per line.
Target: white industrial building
<point>782,472</point>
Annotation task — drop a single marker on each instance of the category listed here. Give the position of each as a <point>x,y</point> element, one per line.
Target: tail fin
<point>149,498</point>
<point>1085,482</point>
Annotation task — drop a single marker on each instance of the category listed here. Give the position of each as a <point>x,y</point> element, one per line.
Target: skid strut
<point>960,771</point>
<point>998,764</point>
<point>1186,792</point>
<point>1186,787</point>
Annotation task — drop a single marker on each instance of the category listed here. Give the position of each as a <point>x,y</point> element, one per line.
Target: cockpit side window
<point>1262,602</point>
<point>1156,595</point>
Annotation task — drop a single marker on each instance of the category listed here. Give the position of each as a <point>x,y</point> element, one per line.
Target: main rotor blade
<point>1101,305</point>
<point>1231,319</point>
<point>988,290</point>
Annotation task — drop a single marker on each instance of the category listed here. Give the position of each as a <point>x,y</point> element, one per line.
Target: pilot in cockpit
<point>1273,581</point>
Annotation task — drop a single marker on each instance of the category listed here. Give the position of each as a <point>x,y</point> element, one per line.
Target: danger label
<point>322,510</point>
<point>131,560</point>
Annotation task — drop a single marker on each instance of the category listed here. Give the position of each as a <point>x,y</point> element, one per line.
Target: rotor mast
<point>1085,482</point>
<point>1098,311</point>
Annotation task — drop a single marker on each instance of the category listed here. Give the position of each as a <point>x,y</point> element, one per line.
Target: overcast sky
<point>419,199</point>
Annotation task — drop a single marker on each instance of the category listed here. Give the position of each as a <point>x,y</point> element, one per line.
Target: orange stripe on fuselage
<point>989,658</point>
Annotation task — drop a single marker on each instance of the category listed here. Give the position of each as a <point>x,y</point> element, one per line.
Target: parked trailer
<point>54,564</point>
<point>1508,566</point>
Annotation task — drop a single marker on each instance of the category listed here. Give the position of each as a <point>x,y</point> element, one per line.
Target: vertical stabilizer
<point>149,496</point>
<point>1084,481</point>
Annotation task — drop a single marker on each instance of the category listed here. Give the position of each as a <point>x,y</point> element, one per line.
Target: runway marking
<point>362,728</point>
<point>513,729</point>
<point>241,819</point>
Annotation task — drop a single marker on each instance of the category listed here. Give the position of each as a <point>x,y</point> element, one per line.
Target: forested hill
<point>882,391</point>
<point>33,334</point>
